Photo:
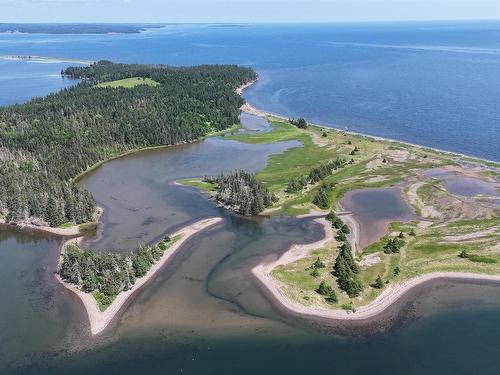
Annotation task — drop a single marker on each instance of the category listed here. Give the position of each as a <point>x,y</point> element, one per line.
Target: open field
<point>129,83</point>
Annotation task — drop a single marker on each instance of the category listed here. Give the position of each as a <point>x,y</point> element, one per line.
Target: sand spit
<point>99,320</point>
<point>262,272</point>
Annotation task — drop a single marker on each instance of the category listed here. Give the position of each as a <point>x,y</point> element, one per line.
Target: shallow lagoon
<point>374,209</point>
<point>465,186</point>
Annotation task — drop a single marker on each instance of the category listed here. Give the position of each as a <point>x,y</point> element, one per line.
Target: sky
<point>244,10</point>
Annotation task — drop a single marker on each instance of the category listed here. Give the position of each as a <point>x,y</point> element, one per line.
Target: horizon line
<point>247,23</point>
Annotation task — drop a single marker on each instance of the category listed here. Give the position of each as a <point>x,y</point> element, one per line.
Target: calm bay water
<point>204,314</point>
<point>435,84</point>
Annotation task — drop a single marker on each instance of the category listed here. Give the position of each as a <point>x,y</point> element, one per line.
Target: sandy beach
<point>262,272</point>
<point>100,320</point>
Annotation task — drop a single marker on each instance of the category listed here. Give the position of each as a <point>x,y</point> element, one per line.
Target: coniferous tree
<point>242,192</point>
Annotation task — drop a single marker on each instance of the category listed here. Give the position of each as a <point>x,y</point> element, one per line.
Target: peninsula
<point>395,215</point>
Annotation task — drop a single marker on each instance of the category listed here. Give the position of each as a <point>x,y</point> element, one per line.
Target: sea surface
<point>204,313</point>
<point>434,84</point>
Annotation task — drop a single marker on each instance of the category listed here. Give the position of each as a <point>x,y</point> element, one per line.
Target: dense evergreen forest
<point>107,274</point>
<point>48,141</point>
<point>242,192</point>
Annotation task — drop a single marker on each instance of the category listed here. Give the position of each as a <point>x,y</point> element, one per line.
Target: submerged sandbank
<point>98,319</point>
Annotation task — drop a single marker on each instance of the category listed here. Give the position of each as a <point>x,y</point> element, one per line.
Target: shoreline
<point>45,59</point>
<point>262,272</point>
<point>247,107</point>
<point>98,319</point>
<point>73,231</point>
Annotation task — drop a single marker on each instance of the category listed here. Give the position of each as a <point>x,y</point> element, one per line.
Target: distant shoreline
<point>45,59</point>
<point>77,28</point>
<point>98,319</point>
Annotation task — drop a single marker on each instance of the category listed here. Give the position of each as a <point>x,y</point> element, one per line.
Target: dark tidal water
<point>434,84</point>
<point>204,313</point>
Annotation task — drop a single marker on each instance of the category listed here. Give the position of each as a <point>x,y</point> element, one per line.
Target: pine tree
<point>378,284</point>
<point>52,213</point>
<point>74,273</point>
<point>346,253</point>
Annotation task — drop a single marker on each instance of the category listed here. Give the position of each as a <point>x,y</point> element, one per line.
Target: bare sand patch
<point>370,260</point>
<point>470,236</point>
<point>427,211</point>
<point>399,155</point>
<point>376,179</point>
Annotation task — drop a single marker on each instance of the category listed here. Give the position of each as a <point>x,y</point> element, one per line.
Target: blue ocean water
<point>434,84</point>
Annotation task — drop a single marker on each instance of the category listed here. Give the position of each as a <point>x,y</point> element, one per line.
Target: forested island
<point>46,143</point>
<point>241,192</point>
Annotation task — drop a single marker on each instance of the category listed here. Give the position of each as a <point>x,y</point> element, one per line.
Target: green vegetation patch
<point>67,225</point>
<point>294,162</point>
<point>481,259</point>
<point>198,183</point>
<point>88,227</point>
<point>128,83</point>
<point>103,301</point>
